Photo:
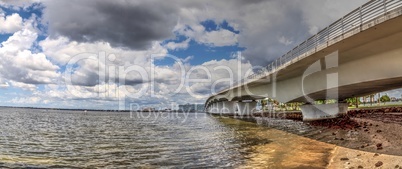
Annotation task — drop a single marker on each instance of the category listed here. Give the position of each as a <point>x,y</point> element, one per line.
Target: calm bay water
<point>69,139</point>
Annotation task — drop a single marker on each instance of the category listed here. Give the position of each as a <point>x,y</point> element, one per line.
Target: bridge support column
<point>323,111</point>
<point>214,109</point>
<point>246,108</point>
<point>219,107</point>
<point>209,108</point>
<point>229,108</point>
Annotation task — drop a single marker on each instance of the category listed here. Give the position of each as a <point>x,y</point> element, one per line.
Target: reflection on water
<point>40,138</point>
<point>278,149</point>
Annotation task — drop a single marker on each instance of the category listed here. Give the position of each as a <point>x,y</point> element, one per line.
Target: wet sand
<point>289,151</point>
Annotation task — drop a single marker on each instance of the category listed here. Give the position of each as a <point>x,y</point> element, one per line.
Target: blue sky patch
<point>210,25</point>
<point>203,53</point>
<point>35,8</point>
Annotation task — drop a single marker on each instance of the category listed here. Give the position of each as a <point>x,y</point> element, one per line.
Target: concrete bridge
<point>357,55</point>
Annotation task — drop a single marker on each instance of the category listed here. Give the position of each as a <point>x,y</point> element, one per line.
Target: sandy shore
<point>365,138</point>
<point>350,158</point>
<point>373,132</point>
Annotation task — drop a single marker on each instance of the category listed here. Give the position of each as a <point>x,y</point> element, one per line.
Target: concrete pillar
<point>323,111</point>
<point>220,107</point>
<point>214,108</point>
<point>229,108</point>
<point>246,108</point>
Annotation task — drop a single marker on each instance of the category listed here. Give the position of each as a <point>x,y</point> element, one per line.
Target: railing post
<point>361,17</point>
<point>327,35</point>
<point>342,26</point>
<point>315,42</point>
<point>276,64</point>
<point>385,6</point>
<point>292,53</point>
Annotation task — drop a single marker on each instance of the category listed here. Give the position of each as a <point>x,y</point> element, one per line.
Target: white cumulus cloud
<point>10,23</point>
<point>178,46</point>
<point>18,63</point>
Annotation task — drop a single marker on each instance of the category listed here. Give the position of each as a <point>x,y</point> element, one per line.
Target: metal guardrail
<point>368,15</point>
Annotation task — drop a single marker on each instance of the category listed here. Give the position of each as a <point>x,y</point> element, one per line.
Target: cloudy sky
<point>104,54</point>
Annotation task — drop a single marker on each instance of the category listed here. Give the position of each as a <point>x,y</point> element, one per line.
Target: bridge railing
<point>360,19</point>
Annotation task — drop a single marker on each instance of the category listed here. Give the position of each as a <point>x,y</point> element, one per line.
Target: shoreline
<point>364,138</point>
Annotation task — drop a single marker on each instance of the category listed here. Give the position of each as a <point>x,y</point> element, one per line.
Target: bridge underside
<point>355,90</point>
<point>247,97</point>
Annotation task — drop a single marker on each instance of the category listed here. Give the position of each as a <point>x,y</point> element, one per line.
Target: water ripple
<point>34,138</point>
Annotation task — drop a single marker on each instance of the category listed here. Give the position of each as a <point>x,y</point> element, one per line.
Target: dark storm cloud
<point>127,24</point>
<point>265,45</point>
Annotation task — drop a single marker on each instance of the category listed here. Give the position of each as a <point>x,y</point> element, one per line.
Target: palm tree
<point>371,99</point>
<point>379,101</point>
<point>364,100</point>
<point>357,99</point>
<point>264,104</point>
